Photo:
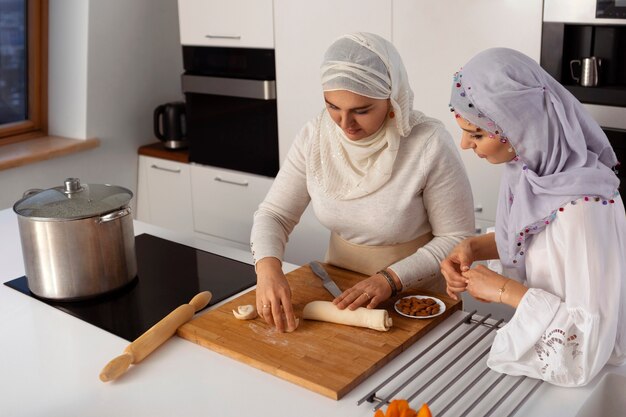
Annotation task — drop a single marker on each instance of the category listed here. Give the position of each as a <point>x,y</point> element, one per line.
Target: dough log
<point>377,319</point>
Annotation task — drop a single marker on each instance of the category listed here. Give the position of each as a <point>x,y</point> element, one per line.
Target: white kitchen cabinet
<point>224,201</point>
<point>232,23</point>
<point>435,41</point>
<point>303,31</point>
<point>164,194</point>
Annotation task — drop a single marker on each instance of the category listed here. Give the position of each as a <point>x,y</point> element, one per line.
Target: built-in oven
<point>611,9</point>
<point>230,96</point>
<point>590,36</point>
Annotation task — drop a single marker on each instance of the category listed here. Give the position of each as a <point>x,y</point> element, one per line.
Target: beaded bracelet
<point>389,279</point>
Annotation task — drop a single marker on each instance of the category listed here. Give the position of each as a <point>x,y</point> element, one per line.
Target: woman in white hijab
<point>560,224</point>
<point>385,179</point>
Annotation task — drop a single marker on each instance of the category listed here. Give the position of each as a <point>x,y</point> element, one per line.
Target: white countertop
<point>50,362</point>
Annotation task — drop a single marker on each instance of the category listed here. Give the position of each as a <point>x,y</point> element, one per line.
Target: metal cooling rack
<point>452,377</point>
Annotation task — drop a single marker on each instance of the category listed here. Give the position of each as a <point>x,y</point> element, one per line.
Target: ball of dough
<point>245,312</point>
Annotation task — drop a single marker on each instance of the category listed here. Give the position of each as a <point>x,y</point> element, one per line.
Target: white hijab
<point>368,65</point>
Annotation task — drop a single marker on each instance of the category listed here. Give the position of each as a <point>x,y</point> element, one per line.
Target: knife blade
<point>328,283</point>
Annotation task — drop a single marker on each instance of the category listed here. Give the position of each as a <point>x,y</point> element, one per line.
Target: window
<point>23,69</point>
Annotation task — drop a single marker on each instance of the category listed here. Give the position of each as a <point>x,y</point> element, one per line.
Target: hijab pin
<point>491,136</point>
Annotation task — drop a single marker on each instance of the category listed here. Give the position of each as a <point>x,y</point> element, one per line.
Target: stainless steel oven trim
<point>575,11</point>
<point>234,87</point>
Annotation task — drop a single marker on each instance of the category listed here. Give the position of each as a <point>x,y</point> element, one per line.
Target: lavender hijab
<point>562,154</point>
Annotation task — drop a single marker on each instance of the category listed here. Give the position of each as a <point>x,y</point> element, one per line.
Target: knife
<point>329,284</point>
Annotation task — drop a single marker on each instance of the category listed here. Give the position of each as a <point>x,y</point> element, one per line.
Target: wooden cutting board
<point>330,359</point>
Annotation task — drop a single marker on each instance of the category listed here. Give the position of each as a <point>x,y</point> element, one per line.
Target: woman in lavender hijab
<point>560,224</point>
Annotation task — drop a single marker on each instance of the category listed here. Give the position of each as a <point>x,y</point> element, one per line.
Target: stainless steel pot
<point>77,240</point>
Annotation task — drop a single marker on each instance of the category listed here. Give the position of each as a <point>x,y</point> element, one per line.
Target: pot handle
<point>114,215</point>
<point>32,191</point>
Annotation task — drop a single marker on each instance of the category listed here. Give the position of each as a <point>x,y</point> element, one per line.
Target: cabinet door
<point>232,23</point>
<point>436,41</point>
<point>164,196</point>
<point>224,201</point>
<point>303,32</point>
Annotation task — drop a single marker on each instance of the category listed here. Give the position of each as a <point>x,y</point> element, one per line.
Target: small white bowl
<point>442,306</point>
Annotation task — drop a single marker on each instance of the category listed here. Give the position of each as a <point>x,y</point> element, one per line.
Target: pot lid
<point>72,201</point>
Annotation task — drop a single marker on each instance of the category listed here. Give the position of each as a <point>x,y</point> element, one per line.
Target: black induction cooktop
<point>169,274</point>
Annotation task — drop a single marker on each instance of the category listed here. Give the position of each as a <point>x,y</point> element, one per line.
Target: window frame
<point>36,124</point>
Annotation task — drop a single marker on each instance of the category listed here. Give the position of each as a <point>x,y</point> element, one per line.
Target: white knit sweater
<point>428,192</point>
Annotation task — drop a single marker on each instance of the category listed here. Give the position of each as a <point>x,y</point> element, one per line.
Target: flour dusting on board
<point>269,335</point>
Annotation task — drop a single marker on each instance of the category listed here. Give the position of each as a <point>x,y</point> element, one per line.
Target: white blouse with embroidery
<point>572,320</point>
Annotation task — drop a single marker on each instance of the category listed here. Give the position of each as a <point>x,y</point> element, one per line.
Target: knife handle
<point>154,337</point>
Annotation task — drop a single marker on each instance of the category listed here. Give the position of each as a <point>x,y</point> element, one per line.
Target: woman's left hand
<point>368,293</point>
<point>483,283</point>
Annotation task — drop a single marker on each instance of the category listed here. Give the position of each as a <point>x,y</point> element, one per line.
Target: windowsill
<point>39,149</point>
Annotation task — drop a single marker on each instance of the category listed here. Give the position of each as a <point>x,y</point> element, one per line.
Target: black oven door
<point>232,123</point>
<point>611,9</point>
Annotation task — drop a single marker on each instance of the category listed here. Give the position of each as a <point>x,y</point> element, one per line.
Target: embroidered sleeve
<point>567,326</point>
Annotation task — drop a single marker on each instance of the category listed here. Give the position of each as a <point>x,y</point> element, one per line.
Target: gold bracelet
<point>502,289</point>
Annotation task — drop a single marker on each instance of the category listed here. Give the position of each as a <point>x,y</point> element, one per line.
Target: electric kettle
<point>170,125</point>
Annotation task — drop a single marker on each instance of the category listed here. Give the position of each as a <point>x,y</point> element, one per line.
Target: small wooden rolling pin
<point>154,337</point>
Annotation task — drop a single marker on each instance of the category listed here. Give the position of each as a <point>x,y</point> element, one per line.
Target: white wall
<point>67,68</point>
<point>436,42</point>
<point>111,62</point>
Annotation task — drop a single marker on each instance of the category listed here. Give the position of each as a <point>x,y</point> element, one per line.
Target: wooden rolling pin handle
<point>154,337</point>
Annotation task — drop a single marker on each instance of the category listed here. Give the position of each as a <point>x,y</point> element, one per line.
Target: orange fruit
<point>392,410</point>
<point>424,411</point>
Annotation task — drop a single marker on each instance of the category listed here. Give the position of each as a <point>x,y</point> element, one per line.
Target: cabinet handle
<point>175,171</point>
<point>243,184</point>
<point>236,37</point>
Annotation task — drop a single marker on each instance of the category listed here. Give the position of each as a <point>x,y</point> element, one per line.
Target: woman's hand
<point>484,284</point>
<point>488,286</point>
<point>273,295</point>
<point>458,261</point>
<point>369,293</point>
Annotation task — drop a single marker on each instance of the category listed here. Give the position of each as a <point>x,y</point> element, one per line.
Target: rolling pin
<point>154,337</point>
